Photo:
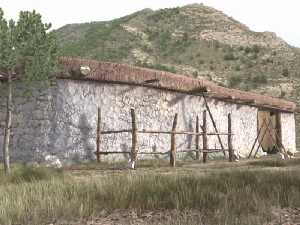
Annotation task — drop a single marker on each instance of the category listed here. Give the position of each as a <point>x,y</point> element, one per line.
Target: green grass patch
<point>22,174</point>
<point>275,163</point>
<point>236,196</point>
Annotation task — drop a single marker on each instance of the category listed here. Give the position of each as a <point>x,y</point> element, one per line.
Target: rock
<point>85,70</point>
<point>131,164</point>
<point>52,161</point>
<point>281,156</point>
<point>260,153</point>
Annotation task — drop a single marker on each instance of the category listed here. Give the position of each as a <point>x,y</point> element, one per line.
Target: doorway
<point>269,128</point>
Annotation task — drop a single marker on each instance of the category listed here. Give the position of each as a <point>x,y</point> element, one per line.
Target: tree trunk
<point>8,126</point>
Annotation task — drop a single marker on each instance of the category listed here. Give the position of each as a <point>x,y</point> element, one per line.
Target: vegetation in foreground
<point>237,195</point>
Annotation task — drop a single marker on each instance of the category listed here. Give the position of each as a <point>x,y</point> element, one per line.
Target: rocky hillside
<point>196,40</point>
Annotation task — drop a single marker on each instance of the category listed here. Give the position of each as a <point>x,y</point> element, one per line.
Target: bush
<point>247,49</point>
<point>21,174</point>
<point>256,49</point>
<point>237,67</point>
<point>229,56</point>
<point>201,61</point>
<point>285,72</point>
<point>234,80</point>
<point>261,79</point>
<point>157,67</point>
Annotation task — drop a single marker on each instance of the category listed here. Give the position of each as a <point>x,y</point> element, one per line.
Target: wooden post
<point>133,154</point>
<point>263,136</point>
<point>214,125</point>
<point>197,139</point>
<point>230,150</point>
<point>256,139</point>
<point>278,133</point>
<point>275,140</point>
<point>98,134</point>
<point>204,127</point>
<point>173,143</point>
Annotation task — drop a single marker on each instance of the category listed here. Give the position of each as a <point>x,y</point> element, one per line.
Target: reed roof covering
<point>125,74</point>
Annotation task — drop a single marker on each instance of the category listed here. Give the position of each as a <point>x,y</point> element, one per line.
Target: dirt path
<point>287,216</point>
<point>127,217</point>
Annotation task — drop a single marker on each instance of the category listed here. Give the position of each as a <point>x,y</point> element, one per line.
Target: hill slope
<point>196,40</point>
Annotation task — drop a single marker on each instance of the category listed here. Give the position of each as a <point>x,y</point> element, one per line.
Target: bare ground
<point>130,217</point>
<point>287,216</point>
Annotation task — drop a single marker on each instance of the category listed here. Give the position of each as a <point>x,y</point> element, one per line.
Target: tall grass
<point>21,174</point>
<point>236,197</point>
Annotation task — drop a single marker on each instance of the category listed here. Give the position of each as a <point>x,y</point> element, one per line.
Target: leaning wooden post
<point>133,154</point>
<point>263,136</point>
<point>204,128</point>
<point>173,143</point>
<point>256,139</point>
<point>214,125</point>
<point>98,134</point>
<point>197,139</point>
<point>230,150</point>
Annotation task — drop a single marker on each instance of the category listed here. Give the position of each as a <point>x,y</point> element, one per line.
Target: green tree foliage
<point>27,47</point>
<point>27,52</point>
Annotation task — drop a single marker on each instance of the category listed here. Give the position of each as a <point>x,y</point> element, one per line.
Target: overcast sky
<point>279,16</point>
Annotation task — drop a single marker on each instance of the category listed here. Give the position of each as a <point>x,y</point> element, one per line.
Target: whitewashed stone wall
<point>155,109</point>
<point>288,131</point>
<point>62,120</point>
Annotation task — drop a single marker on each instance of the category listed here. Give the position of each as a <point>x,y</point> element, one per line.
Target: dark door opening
<point>270,136</point>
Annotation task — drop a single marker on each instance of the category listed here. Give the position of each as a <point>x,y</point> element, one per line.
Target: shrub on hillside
<point>285,72</point>
<point>234,80</point>
<point>229,56</point>
<point>157,67</point>
<point>261,79</point>
<point>256,49</point>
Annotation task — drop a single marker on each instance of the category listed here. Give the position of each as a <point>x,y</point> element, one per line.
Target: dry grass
<point>222,193</point>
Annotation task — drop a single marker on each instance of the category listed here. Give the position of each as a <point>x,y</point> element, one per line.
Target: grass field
<point>215,193</point>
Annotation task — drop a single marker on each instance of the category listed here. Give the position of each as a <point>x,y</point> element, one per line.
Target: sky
<point>279,16</point>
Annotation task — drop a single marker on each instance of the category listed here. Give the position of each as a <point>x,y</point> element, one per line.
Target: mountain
<point>196,40</point>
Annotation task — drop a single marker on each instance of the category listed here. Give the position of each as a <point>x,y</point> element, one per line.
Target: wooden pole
<point>98,134</point>
<point>230,150</point>
<point>197,139</point>
<point>263,136</point>
<point>278,130</point>
<point>214,125</point>
<point>275,140</point>
<point>204,127</point>
<point>134,139</point>
<point>277,134</point>
<point>173,143</point>
<point>256,139</point>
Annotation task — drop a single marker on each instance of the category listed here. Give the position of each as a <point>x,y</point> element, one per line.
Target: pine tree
<point>28,52</point>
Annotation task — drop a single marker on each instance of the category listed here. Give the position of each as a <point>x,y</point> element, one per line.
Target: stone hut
<point>61,120</point>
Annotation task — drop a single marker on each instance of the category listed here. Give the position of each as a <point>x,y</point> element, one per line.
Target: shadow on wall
<point>85,134</point>
<point>125,148</point>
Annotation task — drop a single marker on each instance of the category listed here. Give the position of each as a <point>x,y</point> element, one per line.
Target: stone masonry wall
<point>288,131</point>
<point>33,115</point>
<point>61,120</point>
<point>77,104</point>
